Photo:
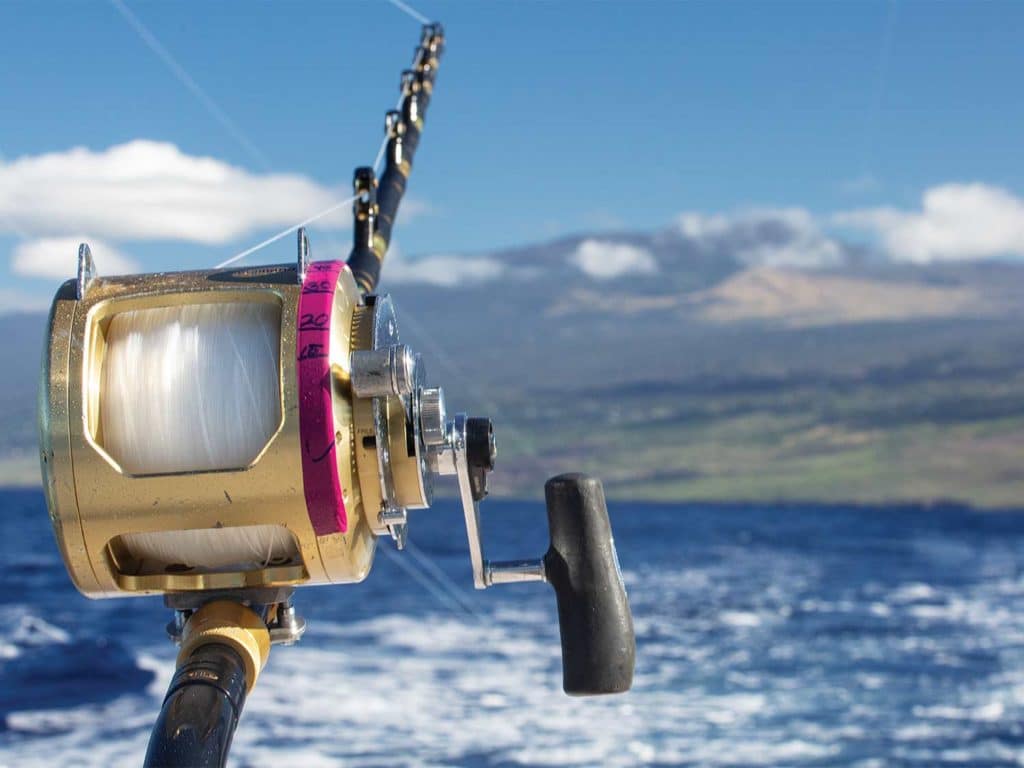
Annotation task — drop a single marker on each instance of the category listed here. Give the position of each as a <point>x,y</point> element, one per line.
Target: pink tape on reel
<point>320,481</point>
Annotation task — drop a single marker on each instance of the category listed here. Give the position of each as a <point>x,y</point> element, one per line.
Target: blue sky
<point>549,118</point>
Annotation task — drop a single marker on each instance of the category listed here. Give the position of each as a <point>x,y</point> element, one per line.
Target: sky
<point>174,135</point>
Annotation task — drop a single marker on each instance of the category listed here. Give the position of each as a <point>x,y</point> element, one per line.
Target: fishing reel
<point>354,440</point>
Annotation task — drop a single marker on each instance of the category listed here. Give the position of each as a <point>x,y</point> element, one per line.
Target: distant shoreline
<point>901,506</point>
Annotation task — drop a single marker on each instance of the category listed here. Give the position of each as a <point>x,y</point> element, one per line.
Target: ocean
<point>767,635</point>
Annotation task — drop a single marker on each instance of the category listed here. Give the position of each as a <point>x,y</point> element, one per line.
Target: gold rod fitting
<point>233,625</point>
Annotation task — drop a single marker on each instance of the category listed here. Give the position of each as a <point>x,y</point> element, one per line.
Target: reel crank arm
<point>595,622</point>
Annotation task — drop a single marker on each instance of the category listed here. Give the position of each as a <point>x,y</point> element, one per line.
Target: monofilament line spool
<point>194,388</point>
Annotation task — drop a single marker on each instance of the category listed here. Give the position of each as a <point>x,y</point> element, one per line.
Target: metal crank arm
<point>595,622</point>
<point>471,473</point>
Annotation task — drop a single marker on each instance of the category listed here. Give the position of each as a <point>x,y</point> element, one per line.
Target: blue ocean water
<point>766,636</point>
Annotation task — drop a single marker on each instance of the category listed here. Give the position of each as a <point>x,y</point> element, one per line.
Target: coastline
<point>898,505</point>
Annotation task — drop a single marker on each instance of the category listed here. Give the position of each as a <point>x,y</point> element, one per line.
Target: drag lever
<point>595,622</point>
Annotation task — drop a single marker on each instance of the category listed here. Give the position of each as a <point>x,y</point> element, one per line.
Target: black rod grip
<point>598,644</point>
<point>200,712</point>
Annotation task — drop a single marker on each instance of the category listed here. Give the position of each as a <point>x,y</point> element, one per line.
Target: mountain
<point>678,368</point>
<point>691,373</point>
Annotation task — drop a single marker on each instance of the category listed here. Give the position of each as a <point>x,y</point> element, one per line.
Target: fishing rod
<point>376,206</point>
<point>221,437</point>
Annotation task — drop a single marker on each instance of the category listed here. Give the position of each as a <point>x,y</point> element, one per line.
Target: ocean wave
<point>761,641</point>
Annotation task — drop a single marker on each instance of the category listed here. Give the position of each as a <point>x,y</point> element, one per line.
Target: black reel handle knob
<point>598,644</point>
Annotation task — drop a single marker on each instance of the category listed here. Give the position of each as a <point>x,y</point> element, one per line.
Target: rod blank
<point>376,206</point>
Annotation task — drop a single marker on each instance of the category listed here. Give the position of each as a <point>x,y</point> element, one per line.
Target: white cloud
<point>413,208</point>
<point>151,190</point>
<point>604,259</point>
<point>774,237</point>
<point>58,257</point>
<point>446,271</point>
<point>441,270</point>
<point>956,221</point>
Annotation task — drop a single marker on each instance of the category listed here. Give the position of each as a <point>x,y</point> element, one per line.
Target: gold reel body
<point>94,503</point>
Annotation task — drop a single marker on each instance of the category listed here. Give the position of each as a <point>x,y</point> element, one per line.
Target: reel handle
<point>598,643</point>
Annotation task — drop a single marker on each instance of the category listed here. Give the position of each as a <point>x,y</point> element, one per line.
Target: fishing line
<point>185,79</point>
<point>154,44</point>
<point>408,9</point>
<point>380,153</point>
<point>194,388</point>
<point>442,578</point>
<point>378,159</point>
<point>189,388</point>
<point>286,232</point>
<point>246,547</point>
<point>452,605</point>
